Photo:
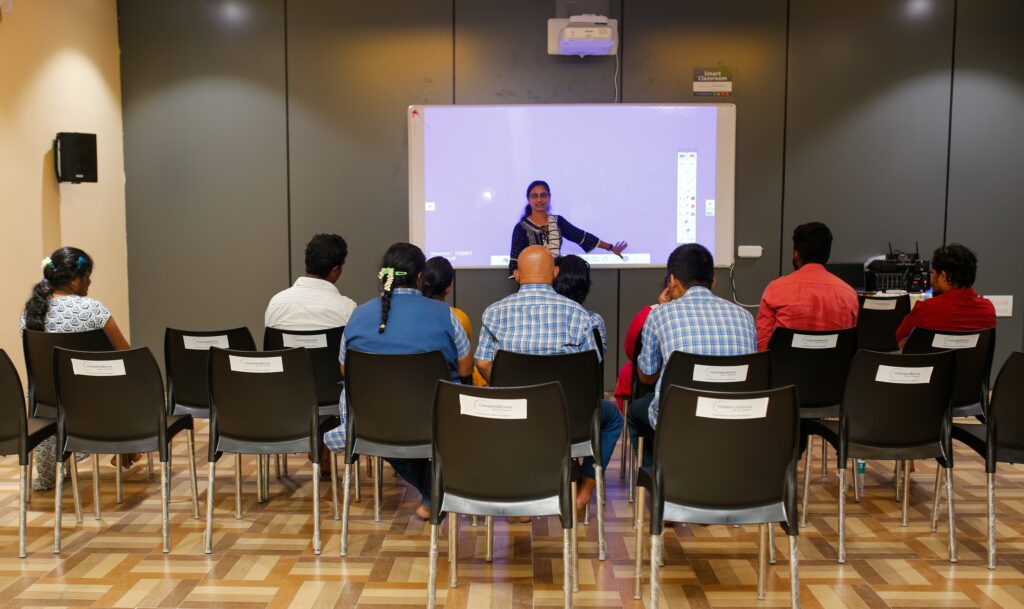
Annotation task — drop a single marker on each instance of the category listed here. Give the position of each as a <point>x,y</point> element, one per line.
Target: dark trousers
<point>416,472</point>
<point>639,425</point>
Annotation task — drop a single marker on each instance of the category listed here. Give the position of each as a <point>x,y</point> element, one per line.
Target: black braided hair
<point>66,264</point>
<point>529,210</point>
<point>403,257</point>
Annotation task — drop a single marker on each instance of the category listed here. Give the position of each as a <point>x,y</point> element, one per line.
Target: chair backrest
<point>108,396</point>
<point>579,374</point>
<point>261,396</point>
<point>638,388</point>
<point>185,358</point>
<point>974,352</point>
<point>732,450</point>
<point>1006,412</point>
<point>815,361</point>
<point>389,397</point>
<point>750,372</point>
<point>878,319</point>
<point>12,407</point>
<point>323,347</point>
<point>896,400</point>
<point>501,444</point>
<point>38,346</point>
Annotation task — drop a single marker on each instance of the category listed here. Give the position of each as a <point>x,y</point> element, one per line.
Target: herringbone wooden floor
<point>265,560</point>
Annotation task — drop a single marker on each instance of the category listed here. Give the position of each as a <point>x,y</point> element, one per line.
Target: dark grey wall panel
<point>353,69</point>
<point>985,177</point>
<point>204,122</point>
<point>665,41</point>
<point>868,116</point>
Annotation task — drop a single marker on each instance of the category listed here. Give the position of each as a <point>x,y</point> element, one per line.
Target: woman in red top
<point>624,384</point>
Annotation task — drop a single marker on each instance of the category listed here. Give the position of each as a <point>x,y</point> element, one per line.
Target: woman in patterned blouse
<point>538,226</point>
<point>59,303</point>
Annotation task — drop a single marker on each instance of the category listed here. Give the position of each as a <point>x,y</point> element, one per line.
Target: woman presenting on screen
<point>538,227</point>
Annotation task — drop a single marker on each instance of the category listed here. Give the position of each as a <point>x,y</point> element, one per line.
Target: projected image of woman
<point>538,226</point>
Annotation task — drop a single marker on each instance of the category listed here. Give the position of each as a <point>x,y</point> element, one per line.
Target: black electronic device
<point>74,157</point>
<point>898,271</point>
<point>850,272</point>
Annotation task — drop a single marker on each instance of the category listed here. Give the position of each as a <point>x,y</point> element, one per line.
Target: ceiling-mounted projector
<point>583,35</point>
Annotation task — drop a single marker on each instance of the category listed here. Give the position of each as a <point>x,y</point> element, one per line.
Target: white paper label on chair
<point>720,374</point>
<point>203,343</point>
<point>309,341</point>
<point>89,367</point>
<point>490,408</point>
<point>904,376</point>
<point>718,408</point>
<point>955,341</point>
<point>880,304</point>
<point>815,341</point>
<point>256,364</point>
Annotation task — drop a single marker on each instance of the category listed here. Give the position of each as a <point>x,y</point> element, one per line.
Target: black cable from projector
<point>732,281</point>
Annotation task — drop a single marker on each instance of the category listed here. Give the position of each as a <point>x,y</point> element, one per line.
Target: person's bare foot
<point>583,492</point>
<point>422,512</point>
<point>519,519</point>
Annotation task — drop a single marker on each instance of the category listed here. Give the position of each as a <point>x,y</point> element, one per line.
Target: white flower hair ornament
<point>46,263</point>
<point>388,274</point>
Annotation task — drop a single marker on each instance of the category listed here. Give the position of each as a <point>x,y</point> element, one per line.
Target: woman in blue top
<point>538,226</point>
<point>401,320</point>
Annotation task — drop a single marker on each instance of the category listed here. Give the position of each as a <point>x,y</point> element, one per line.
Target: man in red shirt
<point>955,306</point>
<point>809,298</point>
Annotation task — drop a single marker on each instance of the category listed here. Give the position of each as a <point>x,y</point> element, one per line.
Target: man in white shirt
<point>313,301</point>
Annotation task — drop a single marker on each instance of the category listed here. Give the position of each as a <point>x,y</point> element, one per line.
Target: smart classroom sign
<point>715,82</point>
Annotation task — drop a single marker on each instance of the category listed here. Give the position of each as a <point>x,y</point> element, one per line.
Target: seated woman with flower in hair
<point>400,321</point>
<point>60,303</point>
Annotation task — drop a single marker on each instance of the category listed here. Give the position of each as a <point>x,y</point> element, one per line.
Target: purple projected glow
<point>642,174</point>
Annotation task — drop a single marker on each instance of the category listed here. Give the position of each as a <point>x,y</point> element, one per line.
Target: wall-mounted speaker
<point>74,157</point>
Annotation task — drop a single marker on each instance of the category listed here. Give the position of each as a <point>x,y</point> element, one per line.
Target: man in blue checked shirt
<point>694,321</point>
<point>536,320</point>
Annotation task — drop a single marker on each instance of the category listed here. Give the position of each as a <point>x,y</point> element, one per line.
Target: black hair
<point>813,242</point>
<point>528,210</point>
<point>403,258</point>
<point>324,252</point>
<point>438,274</point>
<point>692,264</point>
<point>573,279</point>
<point>66,264</point>
<point>959,263</point>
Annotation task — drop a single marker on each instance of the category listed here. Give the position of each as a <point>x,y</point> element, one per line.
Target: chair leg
<point>165,496</point>
<point>655,567</point>
<point>58,496</point>
<point>284,465</point>
<point>193,479</point>
<point>898,470</point>
<point>26,474</point>
<point>277,466</point>
<point>149,465</point>
<point>906,493</point>
<point>857,481</point>
<point>586,515</point>
<point>807,487</point>
<point>346,485</point>
<point>939,472</point>
<point>316,509</point>
<point>474,520</point>
<point>771,543</point>
<point>238,486</point>
<point>96,485</point>
<point>259,478</point>
<point>31,464</point>
<point>431,569</point>
<point>842,516</point>
<point>566,569</point>
<point>453,546</point>
<point>991,520</point>
<point>74,488</point>
<point>824,457</point>
<point>370,469</point>
<point>794,572</point>
<point>638,550</point>
<point>490,538</point>
<point>357,482</point>
<point>624,443</point>
<point>951,515</point>
<point>575,543</point>
<point>378,490</point>
<point>602,548</point>
<point>266,478</point>
<point>119,488</point>
<point>210,480</point>
<point>762,559</point>
<point>334,485</point>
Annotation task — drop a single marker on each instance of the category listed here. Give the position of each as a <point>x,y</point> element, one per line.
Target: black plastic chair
<point>185,358</point>
<point>323,347</point>
<point>580,376</point>
<point>974,352</point>
<point>19,435</point>
<point>113,403</point>
<point>699,478</point>
<point>999,440</point>
<point>878,319</point>
<point>38,348</point>
<point>261,403</point>
<point>894,407</point>
<point>517,464</point>
<point>389,400</point>
<point>817,363</point>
